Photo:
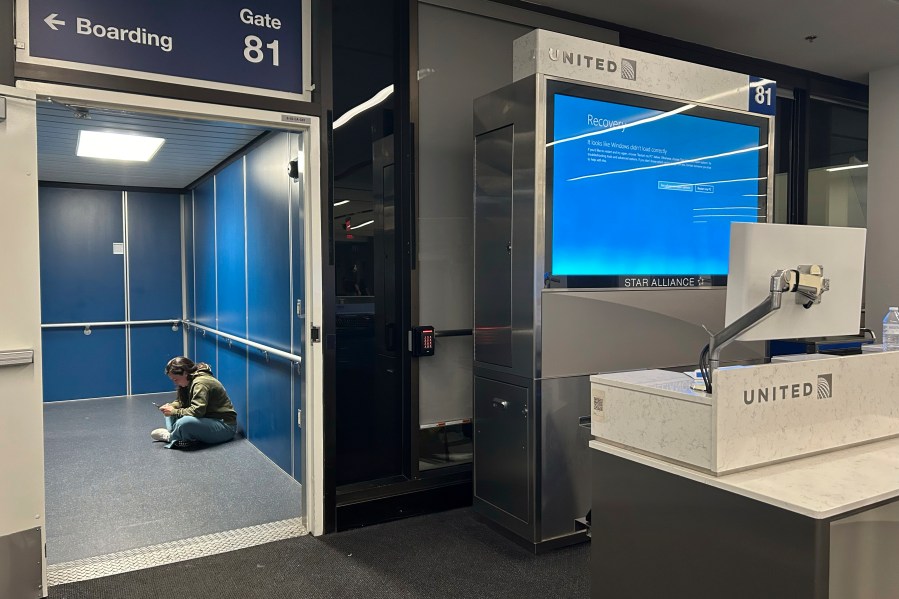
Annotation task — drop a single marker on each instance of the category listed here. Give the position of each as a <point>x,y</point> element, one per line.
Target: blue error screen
<point>644,190</point>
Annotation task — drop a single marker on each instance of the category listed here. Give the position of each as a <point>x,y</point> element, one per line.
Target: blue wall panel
<point>269,301</point>
<point>81,279</point>
<point>206,350</point>
<point>79,366</point>
<point>152,346</point>
<point>271,419</point>
<point>268,244</point>
<point>190,312</point>
<point>232,373</point>
<point>204,253</point>
<point>192,335</point>
<point>253,290</point>
<point>232,304</point>
<point>154,255</point>
<point>188,222</point>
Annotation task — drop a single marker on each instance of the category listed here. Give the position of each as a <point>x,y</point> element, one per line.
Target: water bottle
<point>890,336</point>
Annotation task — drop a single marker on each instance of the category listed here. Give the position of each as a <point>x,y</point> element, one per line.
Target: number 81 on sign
<point>762,96</point>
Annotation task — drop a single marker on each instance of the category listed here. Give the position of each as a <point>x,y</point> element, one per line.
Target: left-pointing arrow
<point>52,21</point>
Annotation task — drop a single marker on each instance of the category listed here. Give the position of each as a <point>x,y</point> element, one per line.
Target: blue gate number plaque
<point>762,96</point>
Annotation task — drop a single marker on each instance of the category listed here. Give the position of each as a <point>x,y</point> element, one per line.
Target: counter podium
<point>784,482</point>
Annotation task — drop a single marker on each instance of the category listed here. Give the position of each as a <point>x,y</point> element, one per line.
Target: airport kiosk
<point>605,183</point>
<point>766,480</point>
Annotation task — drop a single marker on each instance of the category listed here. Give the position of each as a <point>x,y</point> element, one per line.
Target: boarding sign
<point>247,46</point>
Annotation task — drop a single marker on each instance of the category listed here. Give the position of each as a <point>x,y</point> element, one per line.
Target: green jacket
<point>205,398</point>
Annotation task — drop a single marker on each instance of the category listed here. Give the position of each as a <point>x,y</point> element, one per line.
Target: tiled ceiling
<point>191,149</point>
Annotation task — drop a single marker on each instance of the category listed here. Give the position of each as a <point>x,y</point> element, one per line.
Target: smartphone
<point>155,404</point>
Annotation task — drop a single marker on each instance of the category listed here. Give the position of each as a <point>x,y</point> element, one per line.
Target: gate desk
<point>712,496</point>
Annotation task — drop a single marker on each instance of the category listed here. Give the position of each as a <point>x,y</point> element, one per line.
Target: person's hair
<point>180,365</point>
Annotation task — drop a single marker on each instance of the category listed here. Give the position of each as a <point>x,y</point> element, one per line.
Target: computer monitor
<point>639,186</point>
<point>757,250</point>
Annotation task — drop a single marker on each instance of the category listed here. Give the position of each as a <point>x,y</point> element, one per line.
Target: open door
<point>22,526</point>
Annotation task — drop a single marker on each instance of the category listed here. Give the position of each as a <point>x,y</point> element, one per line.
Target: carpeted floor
<point>446,555</point>
<point>110,488</point>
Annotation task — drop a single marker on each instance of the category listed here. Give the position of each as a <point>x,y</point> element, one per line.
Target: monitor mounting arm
<point>807,282</point>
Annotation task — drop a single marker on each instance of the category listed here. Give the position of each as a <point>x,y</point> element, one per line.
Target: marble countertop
<point>821,486</point>
<point>675,385</point>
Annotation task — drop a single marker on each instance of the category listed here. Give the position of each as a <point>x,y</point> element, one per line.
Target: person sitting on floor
<point>202,411</point>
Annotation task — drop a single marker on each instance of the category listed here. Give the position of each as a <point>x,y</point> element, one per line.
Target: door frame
<point>313,425</point>
<point>23,571</point>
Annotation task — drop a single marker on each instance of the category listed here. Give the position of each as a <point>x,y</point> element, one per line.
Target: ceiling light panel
<point>117,146</point>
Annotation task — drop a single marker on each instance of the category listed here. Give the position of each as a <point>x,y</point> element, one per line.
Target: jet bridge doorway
<point>132,339</point>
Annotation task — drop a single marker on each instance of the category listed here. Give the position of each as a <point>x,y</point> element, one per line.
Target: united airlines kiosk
<point>606,181</point>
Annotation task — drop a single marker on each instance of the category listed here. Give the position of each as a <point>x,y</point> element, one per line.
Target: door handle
<point>500,403</point>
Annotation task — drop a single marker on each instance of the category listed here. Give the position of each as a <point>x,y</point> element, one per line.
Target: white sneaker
<point>161,434</point>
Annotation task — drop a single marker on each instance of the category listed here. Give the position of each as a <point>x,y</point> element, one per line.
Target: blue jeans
<point>210,431</point>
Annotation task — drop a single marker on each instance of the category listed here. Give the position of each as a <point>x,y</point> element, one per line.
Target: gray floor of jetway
<point>445,555</point>
<point>111,488</point>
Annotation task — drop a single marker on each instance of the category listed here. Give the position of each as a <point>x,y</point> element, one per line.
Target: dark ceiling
<point>838,38</point>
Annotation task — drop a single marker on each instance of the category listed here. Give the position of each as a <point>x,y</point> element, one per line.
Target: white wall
<point>462,56</point>
<point>882,273</point>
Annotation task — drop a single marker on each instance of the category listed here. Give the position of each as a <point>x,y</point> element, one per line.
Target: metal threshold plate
<point>174,551</point>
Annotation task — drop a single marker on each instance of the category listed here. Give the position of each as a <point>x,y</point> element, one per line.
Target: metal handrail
<point>65,325</point>
<point>453,333</point>
<point>247,342</point>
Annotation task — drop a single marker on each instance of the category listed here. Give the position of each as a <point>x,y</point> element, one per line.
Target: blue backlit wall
<point>88,262</point>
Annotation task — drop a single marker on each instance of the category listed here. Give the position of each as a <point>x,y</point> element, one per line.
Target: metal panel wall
<point>84,281</point>
<point>232,289</point>
<point>154,286</point>
<point>270,420</point>
<point>515,104</point>
<point>204,253</point>
<point>269,302</point>
<point>81,278</point>
<point>205,271</point>
<point>154,255</point>
<point>493,247</point>
<point>232,372</point>
<point>187,236</point>
<point>79,366</point>
<point>564,454</point>
<point>151,347</point>
<point>230,254</point>
<point>268,239</point>
<point>238,273</point>
<point>624,320</point>
<point>501,475</point>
